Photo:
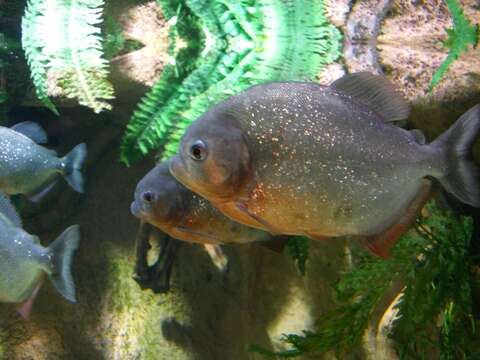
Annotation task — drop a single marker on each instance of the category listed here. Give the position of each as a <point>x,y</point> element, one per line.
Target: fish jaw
<point>136,211</point>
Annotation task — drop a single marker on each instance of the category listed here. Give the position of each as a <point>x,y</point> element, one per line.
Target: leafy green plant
<point>245,42</point>
<point>297,248</point>
<point>435,308</point>
<point>63,46</point>
<point>115,43</point>
<point>460,37</point>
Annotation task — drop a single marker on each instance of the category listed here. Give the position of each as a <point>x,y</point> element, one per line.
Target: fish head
<point>213,158</point>
<point>158,196</point>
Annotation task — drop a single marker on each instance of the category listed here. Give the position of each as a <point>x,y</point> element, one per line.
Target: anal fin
<point>36,197</point>
<point>25,309</point>
<point>217,256</point>
<point>381,244</point>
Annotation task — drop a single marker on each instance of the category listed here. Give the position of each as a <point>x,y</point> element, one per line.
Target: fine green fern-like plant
<point>435,308</point>
<point>459,39</point>
<point>297,248</point>
<point>245,42</point>
<point>62,43</point>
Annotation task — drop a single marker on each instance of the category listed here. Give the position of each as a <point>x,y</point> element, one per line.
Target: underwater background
<point>127,77</point>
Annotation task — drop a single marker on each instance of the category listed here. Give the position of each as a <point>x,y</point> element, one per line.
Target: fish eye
<point>148,196</point>
<point>198,150</point>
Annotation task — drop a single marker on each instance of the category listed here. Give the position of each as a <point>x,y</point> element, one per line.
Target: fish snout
<point>136,210</point>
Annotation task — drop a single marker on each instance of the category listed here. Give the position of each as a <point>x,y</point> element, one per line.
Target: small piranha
<point>31,169</point>
<point>24,262</point>
<point>300,158</point>
<point>165,203</point>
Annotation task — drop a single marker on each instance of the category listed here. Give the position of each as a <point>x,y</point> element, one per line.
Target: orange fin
<point>381,244</point>
<point>317,236</point>
<point>25,309</point>
<point>243,208</point>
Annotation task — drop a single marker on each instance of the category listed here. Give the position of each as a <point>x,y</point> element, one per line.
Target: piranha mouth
<point>136,210</point>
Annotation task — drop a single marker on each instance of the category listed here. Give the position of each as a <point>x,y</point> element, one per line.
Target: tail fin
<point>462,175</point>
<point>74,161</point>
<point>62,249</point>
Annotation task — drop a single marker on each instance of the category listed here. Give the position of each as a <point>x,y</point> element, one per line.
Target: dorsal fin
<point>418,136</point>
<point>375,91</point>
<point>9,211</point>
<point>31,130</point>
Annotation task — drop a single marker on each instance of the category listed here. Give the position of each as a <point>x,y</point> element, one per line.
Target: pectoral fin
<point>269,227</point>
<point>381,244</point>
<point>208,239</point>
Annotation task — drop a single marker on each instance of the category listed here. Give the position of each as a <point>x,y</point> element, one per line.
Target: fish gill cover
<point>242,43</point>
<point>63,46</point>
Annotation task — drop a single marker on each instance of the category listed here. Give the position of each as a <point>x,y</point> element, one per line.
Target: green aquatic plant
<point>63,47</point>
<point>244,42</point>
<point>435,308</point>
<point>115,43</point>
<point>297,248</point>
<point>459,39</point>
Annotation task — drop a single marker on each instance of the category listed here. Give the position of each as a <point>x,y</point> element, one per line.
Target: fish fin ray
<point>74,161</point>
<point>25,309</point>
<point>381,244</point>
<point>31,130</point>
<point>375,91</point>
<point>62,249</point>
<point>7,209</point>
<point>39,195</point>
<point>244,209</point>
<point>418,136</point>
<point>217,256</point>
<point>462,176</point>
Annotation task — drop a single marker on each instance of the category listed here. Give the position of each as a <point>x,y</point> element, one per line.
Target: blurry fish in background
<point>24,261</point>
<point>304,159</point>
<point>31,169</point>
<point>165,203</point>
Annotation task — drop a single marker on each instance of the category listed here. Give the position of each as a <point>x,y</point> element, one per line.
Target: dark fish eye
<point>148,196</point>
<point>198,150</point>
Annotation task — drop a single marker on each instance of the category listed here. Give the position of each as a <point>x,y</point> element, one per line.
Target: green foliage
<point>297,248</point>
<point>460,37</point>
<point>435,310</point>
<point>115,43</point>
<point>245,42</point>
<point>62,43</point>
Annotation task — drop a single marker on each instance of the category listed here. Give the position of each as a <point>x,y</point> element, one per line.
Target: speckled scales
<point>324,162</point>
<point>25,166</point>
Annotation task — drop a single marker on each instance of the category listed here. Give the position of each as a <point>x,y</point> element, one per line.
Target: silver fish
<point>24,261</point>
<point>305,159</point>
<point>31,169</point>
